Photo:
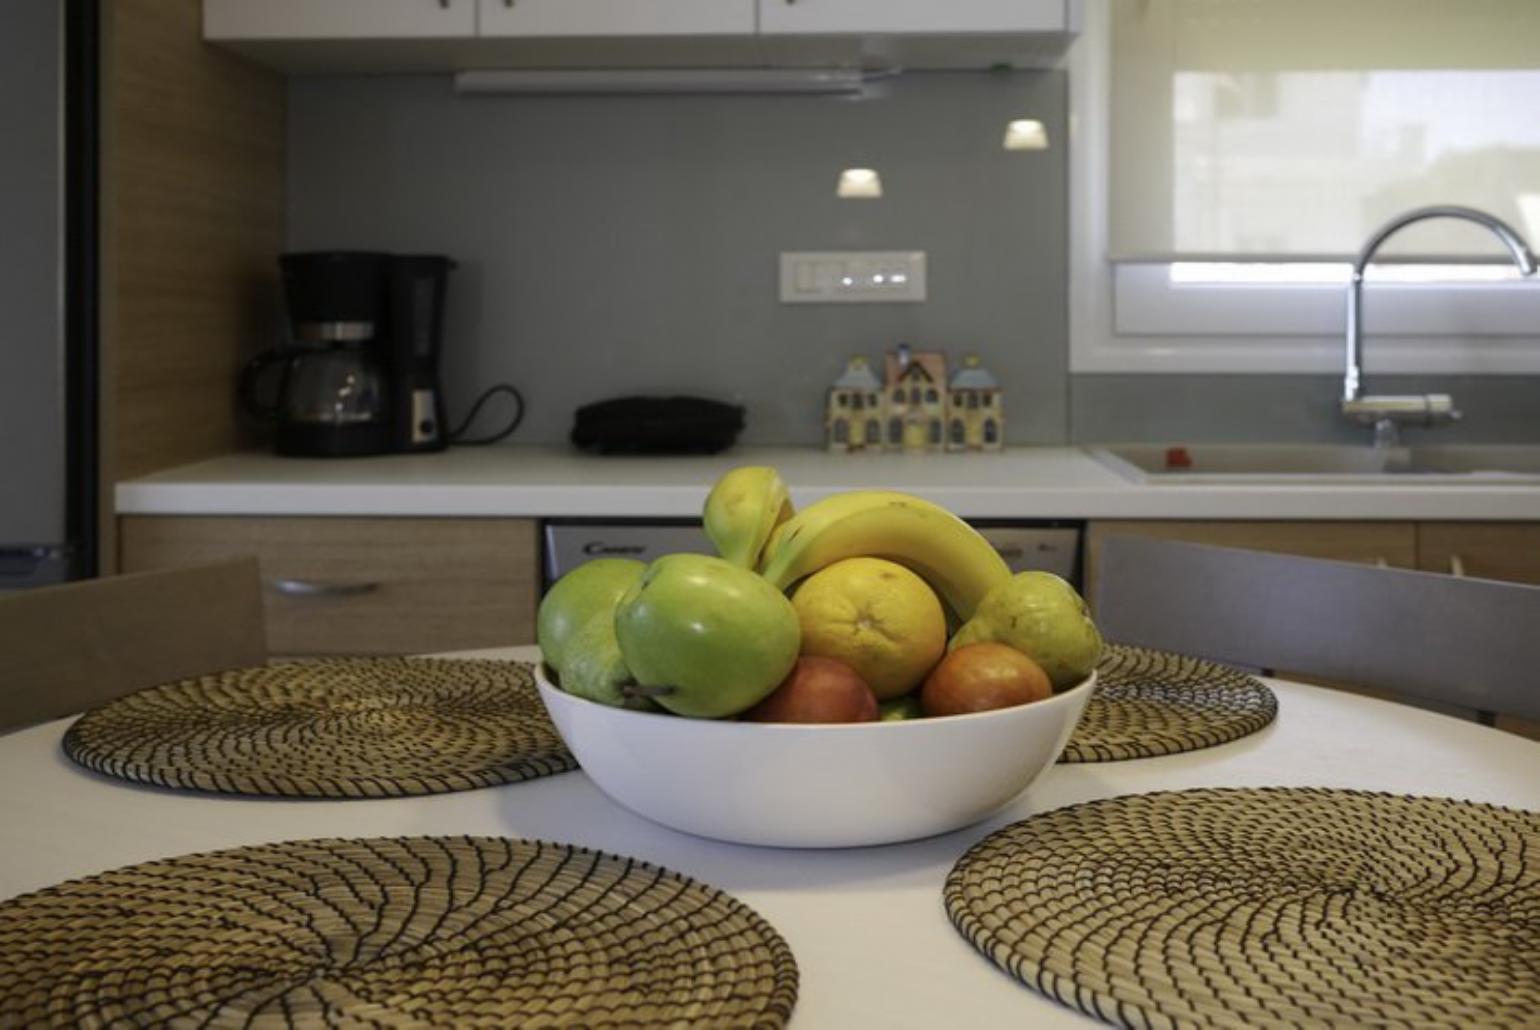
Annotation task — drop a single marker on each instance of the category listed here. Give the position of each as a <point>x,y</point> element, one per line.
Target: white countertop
<point>867,925</point>
<point>528,481</point>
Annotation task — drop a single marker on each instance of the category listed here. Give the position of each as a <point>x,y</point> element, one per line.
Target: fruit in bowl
<point>818,690</point>
<point>1042,616</point>
<point>982,677</point>
<point>576,630</point>
<point>875,616</point>
<point>704,637</point>
<point>822,701</point>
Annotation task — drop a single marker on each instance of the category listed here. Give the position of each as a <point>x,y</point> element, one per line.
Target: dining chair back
<point>66,648</point>
<point>1469,643</point>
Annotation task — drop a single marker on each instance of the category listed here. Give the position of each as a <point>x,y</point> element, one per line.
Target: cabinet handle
<point>1456,565</point>
<point>308,588</point>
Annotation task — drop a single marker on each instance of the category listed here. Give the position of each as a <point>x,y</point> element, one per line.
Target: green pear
<point>591,588</point>
<point>704,637</point>
<point>596,670</point>
<point>1042,616</point>
<point>899,709</point>
<point>744,507</point>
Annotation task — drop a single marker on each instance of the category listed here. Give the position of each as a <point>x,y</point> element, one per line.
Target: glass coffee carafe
<point>327,392</point>
<point>330,399</point>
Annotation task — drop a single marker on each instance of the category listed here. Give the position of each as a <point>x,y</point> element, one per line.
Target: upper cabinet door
<point>338,19</point>
<point>813,17</point>
<point>533,18</point>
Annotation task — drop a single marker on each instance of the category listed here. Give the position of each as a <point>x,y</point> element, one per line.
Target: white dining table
<point>872,941</point>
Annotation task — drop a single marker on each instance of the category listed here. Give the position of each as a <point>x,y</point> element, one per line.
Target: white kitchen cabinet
<point>821,17</point>
<point>338,19</point>
<point>342,36</point>
<point>606,18</point>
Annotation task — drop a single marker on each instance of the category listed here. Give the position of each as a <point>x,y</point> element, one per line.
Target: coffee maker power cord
<point>455,435</point>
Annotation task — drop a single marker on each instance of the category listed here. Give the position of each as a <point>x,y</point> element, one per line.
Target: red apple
<point>818,690</point>
<point>983,676</point>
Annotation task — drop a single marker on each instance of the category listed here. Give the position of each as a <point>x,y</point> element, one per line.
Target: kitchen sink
<point>1454,464</point>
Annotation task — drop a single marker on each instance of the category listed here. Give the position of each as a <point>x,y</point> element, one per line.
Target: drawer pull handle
<point>307,588</point>
<point>1456,565</point>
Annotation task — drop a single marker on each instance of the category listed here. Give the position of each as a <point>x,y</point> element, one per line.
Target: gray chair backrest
<point>66,648</point>
<point>1472,643</point>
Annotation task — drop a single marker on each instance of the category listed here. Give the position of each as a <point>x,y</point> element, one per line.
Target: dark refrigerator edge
<point>82,353</point>
<point>50,460</point>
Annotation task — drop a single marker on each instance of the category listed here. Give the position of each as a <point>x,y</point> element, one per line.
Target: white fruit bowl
<point>815,786</point>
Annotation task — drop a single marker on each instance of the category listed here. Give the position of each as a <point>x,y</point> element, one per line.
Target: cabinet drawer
<point>365,586</point>
<point>1488,550</point>
<point>605,18</point>
<point>916,16</point>
<point>338,19</point>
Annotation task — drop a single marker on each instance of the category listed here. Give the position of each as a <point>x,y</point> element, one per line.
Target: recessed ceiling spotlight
<point>859,184</point>
<point>1026,134</point>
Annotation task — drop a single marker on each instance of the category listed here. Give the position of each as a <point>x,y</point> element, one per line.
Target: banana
<point>742,510</point>
<point>947,552</point>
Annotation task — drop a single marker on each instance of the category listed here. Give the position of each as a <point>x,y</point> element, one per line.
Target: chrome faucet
<point>1386,413</point>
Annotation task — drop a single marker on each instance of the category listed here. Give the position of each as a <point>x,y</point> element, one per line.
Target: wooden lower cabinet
<point>1491,550</point>
<point>365,585</point>
<point>1488,550</point>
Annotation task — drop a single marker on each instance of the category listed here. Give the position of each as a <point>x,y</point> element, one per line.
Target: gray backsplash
<point>617,245</point>
<point>1260,409</point>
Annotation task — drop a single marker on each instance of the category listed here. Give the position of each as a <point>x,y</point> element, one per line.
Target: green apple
<point>1043,617</point>
<point>706,637</point>
<point>586,591</point>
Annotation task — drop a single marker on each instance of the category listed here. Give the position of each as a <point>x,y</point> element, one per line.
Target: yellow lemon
<point>875,616</point>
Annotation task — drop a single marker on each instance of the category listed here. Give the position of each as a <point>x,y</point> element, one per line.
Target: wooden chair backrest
<point>66,648</point>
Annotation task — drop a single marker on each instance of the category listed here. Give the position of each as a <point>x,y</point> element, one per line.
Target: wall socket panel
<point>852,276</point>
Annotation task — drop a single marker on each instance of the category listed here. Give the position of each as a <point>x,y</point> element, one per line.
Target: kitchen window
<point>1231,156</point>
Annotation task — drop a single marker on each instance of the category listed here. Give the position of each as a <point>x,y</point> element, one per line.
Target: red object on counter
<point>1178,458</point>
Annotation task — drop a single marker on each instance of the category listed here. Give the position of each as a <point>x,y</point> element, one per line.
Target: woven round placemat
<point>1265,907</point>
<point>417,931</point>
<point>337,728</point>
<point>1150,703</point>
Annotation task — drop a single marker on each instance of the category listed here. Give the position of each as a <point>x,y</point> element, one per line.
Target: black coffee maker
<point>361,375</point>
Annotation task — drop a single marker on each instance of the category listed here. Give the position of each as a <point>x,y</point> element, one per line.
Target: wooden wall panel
<point>193,199</point>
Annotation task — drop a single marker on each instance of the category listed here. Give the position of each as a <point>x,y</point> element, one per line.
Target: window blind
<point>1282,130</point>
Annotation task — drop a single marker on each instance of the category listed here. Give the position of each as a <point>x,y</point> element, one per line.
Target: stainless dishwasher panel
<point>1053,549</point>
<point>570,544</point>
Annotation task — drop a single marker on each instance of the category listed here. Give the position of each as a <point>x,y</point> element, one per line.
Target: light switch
<point>852,277</point>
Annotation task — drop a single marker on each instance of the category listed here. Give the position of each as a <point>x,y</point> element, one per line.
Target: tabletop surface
<point>871,938</point>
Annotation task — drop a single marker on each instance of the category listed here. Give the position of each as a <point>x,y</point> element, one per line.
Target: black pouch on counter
<point>657,425</point>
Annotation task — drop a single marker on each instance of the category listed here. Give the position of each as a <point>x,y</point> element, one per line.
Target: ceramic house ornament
<point>853,416</point>
<point>914,392</point>
<point>976,414</point>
